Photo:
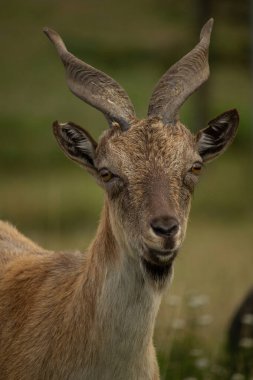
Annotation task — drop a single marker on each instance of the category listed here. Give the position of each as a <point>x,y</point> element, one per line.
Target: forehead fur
<point>146,143</point>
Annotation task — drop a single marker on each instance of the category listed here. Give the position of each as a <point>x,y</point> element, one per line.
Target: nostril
<point>165,226</point>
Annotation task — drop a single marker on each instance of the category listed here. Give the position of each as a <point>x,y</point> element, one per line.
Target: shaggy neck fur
<point>125,310</point>
<point>76,316</point>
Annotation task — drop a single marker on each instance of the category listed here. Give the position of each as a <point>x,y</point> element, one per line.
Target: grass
<point>187,354</point>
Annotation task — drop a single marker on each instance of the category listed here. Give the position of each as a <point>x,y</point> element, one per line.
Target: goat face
<point>149,173</point>
<point>148,168</point>
<point>146,173</point>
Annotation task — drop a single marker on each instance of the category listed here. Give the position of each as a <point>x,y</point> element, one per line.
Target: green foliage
<point>188,355</point>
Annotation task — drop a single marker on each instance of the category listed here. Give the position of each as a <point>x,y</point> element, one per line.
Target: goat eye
<point>196,168</point>
<point>106,175</point>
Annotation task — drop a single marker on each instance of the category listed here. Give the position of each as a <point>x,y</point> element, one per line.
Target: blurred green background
<point>135,41</point>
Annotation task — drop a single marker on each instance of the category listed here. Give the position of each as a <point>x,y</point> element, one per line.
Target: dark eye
<point>106,175</point>
<point>196,168</point>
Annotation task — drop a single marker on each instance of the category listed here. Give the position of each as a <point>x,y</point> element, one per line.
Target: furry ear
<point>76,143</point>
<point>213,140</point>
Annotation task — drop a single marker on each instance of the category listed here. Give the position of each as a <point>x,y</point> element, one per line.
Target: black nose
<point>166,226</point>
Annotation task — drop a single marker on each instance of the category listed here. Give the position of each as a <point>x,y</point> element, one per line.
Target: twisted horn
<point>182,79</point>
<point>93,86</point>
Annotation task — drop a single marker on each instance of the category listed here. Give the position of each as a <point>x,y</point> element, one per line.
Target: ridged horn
<point>93,86</point>
<point>181,80</point>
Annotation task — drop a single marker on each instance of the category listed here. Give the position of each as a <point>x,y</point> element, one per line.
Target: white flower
<point>246,343</point>
<point>178,324</point>
<point>198,301</point>
<point>247,319</point>
<point>237,376</point>
<point>202,363</point>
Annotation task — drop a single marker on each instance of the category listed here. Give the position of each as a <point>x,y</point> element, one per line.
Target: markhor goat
<point>73,316</point>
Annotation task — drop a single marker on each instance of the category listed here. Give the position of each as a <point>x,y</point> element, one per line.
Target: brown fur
<point>51,326</point>
<point>54,317</point>
<point>91,315</point>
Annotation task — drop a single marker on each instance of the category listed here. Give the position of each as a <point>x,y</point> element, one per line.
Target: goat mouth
<point>159,258</point>
<point>158,264</point>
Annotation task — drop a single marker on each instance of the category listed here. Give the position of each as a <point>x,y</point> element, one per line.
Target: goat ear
<point>76,143</point>
<point>213,140</point>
